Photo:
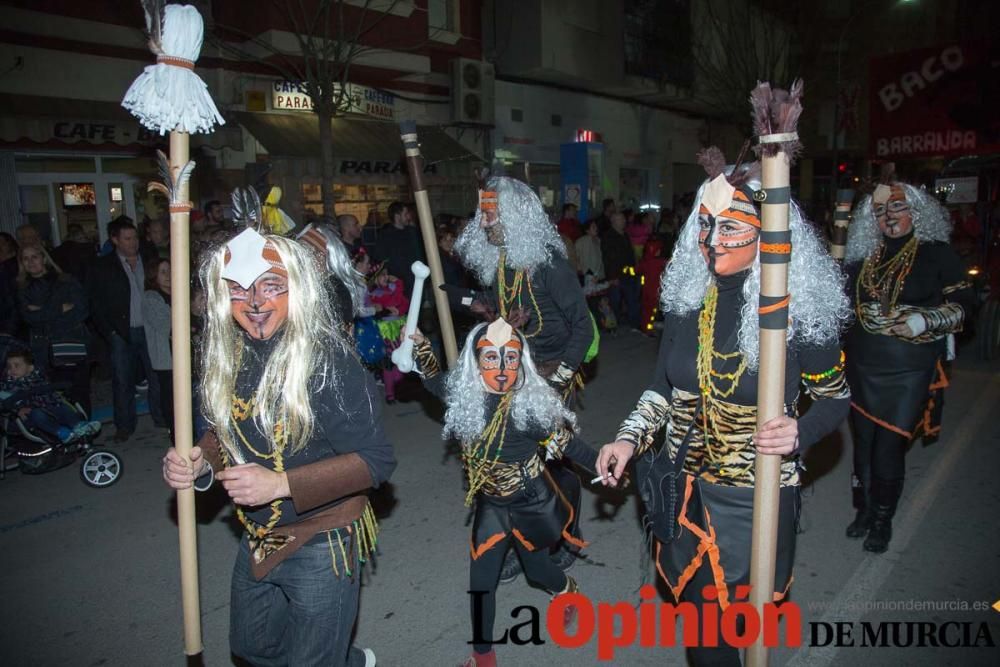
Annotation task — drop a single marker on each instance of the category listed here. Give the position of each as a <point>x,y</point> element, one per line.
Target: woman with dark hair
<point>53,305</point>
<point>156,322</point>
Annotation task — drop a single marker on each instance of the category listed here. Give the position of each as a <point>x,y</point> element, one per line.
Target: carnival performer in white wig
<point>704,390</point>
<point>507,418</point>
<point>296,442</point>
<point>910,295</point>
<point>346,284</point>
<point>518,255</point>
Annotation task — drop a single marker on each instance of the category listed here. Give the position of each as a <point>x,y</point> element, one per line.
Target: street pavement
<point>90,577</point>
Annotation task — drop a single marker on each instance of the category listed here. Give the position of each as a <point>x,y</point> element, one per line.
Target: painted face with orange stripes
<point>727,244</point>
<point>892,211</point>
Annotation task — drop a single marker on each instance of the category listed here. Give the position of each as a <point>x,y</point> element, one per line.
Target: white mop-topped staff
<point>170,97</point>
<point>402,356</point>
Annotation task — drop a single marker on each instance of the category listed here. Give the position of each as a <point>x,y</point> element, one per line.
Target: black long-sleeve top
<point>676,364</point>
<point>560,329</point>
<point>347,419</point>
<point>519,446</point>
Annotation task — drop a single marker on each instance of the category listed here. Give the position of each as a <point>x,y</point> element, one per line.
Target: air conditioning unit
<point>472,91</point>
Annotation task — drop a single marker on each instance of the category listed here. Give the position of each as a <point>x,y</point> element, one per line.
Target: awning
<point>297,135</point>
<point>38,122</point>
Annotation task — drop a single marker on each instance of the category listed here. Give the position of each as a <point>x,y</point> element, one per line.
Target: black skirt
<point>715,526</point>
<point>537,516</point>
<point>891,379</point>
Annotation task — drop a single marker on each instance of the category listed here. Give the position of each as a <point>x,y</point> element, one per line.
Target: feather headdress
<point>247,208</point>
<point>776,114</point>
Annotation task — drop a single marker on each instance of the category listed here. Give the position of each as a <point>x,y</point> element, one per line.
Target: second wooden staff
<point>415,166</point>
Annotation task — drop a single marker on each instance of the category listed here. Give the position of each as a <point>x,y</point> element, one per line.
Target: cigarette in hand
<point>597,479</point>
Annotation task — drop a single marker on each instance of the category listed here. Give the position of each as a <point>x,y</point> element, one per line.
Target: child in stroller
<point>25,390</point>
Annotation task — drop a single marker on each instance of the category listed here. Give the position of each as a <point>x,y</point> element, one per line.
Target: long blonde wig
<point>299,366</point>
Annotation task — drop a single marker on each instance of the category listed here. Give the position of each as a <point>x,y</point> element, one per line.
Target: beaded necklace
<point>476,455</point>
<point>510,295</point>
<point>241,411</point>
<point>884,281</point>
<point>708,378</point>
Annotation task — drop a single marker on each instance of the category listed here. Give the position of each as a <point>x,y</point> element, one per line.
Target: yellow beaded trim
<point>241,411</point>
<point>707,375</point>
<point>816,377</point>
<point>476,455</point>
<point>509,295</point>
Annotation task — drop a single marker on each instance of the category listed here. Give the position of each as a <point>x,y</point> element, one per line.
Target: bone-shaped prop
<point>402,356</point>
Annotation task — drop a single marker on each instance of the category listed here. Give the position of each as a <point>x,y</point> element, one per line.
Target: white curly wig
<point>535,402</point>
<point>529,238</point>
<point>931,222</point>
<point>819,305</point>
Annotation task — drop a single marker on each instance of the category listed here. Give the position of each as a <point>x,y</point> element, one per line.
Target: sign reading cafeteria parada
<point>935,102</point>
<point>361,100</point>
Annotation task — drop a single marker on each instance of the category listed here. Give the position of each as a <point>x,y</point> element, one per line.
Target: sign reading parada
<point>359,100</point>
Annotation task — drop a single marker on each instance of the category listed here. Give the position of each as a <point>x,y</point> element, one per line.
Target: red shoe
<point>481,660</point>
<point>570,612</point>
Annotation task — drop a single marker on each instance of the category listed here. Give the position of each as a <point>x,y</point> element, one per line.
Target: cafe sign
<point>358,100</point>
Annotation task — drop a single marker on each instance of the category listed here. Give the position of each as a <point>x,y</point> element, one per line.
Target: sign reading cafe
<point>362,100</point>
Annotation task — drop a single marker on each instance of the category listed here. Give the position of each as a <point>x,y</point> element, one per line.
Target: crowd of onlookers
<point>110,305</point>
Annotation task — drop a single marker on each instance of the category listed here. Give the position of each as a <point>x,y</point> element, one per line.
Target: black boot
<point>885,496</point>
<point>863,519</point>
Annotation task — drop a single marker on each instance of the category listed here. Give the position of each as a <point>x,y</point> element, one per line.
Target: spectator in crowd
<point>215,217</point>
<point>569,225</point>
<point>639,231</point>
<point>604,219</point>
<point>156,239</point>
<point>650,269</point>
<point>349,230</point>
<point>8,283</point>
<point>116,293</point>
<point>75,253</point>
<point>27,234</point>
<point>588,253</point>
<point>619,268</point>
<point>156,323</point>
<point>54,307</point>
<point>391,306</point>
<point>451,266</point>
<point>45,411</point>
<point>399,244</point>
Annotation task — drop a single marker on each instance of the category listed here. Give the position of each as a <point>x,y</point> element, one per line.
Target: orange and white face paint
<point>490,219</point>
<point>262,307</point>
<point>892,211</point>
<point>498,355</point>
<point>729,240</point>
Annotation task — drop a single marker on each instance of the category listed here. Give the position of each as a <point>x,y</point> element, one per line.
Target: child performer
<point>505,414</point>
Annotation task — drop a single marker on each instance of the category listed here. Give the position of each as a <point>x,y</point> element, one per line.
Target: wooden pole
<point>415,165</point>
<point>774,257</point>
<point>841,220</point>
<point>180,323</point>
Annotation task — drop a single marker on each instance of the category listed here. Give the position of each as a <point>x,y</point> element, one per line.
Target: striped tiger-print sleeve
<point>640,427</point>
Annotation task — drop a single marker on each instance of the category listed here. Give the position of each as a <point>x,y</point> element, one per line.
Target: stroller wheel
<point>100,468</point>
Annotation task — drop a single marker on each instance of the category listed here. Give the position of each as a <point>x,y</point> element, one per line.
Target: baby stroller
<point>34,452</point>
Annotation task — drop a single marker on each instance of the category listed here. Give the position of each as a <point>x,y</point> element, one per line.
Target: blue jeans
<point>300,613</point>
<point>126,357</point>
<point>50,419</point>
<point>627,291</point>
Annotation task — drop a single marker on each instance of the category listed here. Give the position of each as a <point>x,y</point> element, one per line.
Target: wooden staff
<point>180,328</point>
<point>841,220</point>
<point>415,165</point>
<point>170,97</point>
<point>775,255</point>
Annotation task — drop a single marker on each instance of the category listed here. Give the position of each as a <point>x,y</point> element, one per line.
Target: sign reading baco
<point>361,100</point>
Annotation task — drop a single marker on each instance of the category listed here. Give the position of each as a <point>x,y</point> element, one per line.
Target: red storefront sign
<point>938,101</point>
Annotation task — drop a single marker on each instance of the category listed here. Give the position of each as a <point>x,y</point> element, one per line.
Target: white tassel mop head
<point>169,96</point>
